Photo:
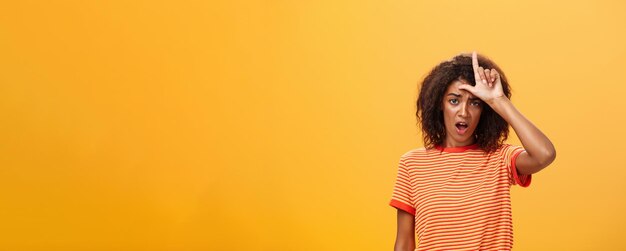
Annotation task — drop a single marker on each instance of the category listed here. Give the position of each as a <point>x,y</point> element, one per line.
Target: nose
<point>463,112</point>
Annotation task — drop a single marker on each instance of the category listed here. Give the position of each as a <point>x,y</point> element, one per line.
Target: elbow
<point>548,157</point>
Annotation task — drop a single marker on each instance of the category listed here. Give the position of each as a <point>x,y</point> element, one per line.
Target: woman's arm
<point>405,238</point>
<point>539,149</point>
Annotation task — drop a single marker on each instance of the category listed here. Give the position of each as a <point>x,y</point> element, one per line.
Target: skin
<point>405,236</point>
<point>460,106</point>
<point>539,152</point>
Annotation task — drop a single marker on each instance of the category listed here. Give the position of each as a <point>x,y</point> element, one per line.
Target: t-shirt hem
<point>402,206</point>
<point>516,176</point>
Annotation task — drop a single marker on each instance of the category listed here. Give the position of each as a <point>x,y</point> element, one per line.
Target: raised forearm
<point>538,146</point>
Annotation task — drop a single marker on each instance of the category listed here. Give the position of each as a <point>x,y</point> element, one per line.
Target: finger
<point>481,73</point>
<point>488,76</point>
<point>467,87</point>
<point>475,61</point>
<point>494,75</point>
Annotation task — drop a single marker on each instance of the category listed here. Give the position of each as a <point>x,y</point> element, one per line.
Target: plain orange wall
<point>277,125</point>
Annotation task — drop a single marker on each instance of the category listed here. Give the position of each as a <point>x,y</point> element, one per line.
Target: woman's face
<point>461,113</point>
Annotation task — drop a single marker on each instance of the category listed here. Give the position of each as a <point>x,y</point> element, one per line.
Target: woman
<point>454,193</point>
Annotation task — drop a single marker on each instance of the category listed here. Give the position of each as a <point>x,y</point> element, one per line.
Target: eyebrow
<point>459,95</point>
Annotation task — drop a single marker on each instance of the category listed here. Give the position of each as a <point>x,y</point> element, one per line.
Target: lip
<point>461,131</point>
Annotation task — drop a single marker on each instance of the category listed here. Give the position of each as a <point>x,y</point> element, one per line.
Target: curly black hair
<point>492,130</point>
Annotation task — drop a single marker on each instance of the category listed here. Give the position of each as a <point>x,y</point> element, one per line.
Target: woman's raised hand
<point>488,86</point>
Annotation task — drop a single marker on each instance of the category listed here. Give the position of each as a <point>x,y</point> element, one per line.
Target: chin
<point>465,139</point>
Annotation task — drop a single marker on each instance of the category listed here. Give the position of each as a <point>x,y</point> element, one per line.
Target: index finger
<point>475,61</point>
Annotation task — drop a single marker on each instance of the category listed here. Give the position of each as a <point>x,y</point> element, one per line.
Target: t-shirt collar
<point>457,149</point>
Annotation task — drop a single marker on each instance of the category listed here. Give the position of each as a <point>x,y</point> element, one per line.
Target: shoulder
<point>507,149</point>
<point>417,155</point>
<point>510,148</point>
<point>414,152</point>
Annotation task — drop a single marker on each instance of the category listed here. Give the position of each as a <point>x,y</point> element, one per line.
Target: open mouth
<point>461,127</point>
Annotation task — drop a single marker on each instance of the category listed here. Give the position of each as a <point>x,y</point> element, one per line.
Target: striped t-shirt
<point>460,196</point>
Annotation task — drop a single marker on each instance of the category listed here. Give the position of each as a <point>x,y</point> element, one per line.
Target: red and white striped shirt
<point>460,196</point>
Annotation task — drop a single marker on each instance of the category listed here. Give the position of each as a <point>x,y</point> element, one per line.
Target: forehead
<point>454,88</point>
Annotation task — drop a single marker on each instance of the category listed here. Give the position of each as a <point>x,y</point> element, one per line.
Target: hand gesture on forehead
<point>488,85</point>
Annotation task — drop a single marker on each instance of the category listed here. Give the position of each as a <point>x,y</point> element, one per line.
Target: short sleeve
<point>402,196</point>
<point>510,154</point>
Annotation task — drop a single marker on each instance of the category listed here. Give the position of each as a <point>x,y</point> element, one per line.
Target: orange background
<point>278,125</point>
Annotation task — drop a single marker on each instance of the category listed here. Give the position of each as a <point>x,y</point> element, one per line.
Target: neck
<point>450,143</point>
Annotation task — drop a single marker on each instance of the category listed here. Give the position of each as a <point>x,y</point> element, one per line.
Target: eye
<point>454,101</point>
<point>475,103</point>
